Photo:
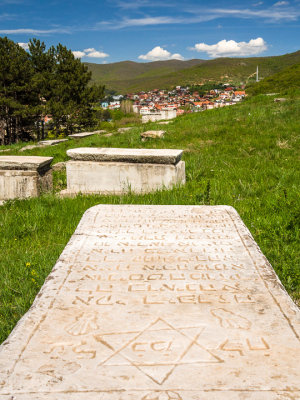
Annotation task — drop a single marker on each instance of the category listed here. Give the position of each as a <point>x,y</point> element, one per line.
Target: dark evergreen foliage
<point>43,82</point>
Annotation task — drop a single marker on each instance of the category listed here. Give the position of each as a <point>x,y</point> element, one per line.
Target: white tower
<point>257,74</point>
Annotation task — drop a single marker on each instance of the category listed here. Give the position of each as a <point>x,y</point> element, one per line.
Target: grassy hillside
<point>282,82</point>
<point>246,156</point>
<point>117,75</point>
<point>129,76</point>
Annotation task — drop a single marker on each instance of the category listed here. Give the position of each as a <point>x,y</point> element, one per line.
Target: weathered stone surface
<point>5,150</point>
<point>107,154</point>
<point>52,142</point>
<point>153,134</point>
<point>118,178</point>
<point>122,130</point>
<point>157,303</point>
<point>60,166</point>
<point>31,163</point>
<point>30,147</point>
<point>164,122</point>
<point>24,176</point>
<point>85,134</point>
<point>280,99</point>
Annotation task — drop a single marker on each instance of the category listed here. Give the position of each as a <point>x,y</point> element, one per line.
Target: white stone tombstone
<point>153,134</point>
<point>117,171</point>
<point>24,176</point>
<point>85,134</point>
<point>52,142</point>
<point>157,303</point>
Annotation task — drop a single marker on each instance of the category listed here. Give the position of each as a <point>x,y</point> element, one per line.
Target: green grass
<point>246,156</point>
<point>285,81</point>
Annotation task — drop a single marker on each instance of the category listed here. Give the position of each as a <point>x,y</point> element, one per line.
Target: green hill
<point>283,81</point>
<point>120,76</point>
<point>130,76</point>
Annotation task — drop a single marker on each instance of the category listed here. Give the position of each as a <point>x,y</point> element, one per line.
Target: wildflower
<point>33,272</point>
<point>28,264</point>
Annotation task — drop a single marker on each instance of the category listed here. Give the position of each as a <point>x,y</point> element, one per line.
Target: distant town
<point>160,104</point>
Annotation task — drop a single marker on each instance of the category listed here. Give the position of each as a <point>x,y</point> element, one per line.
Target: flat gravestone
<point>85,134</point>
<point>153,134</point>
<point>119,170</point>
<point>52,142</point>
<point>24,176</point>
<point>157,303</point>
<point>126,129</point>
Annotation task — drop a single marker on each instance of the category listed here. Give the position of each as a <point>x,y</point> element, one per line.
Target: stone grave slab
<point>157,303</point>
<point>110,154</point>
<point>85,134</point>
<point>24,176</point>
<point>52,142</point>
<point>126,129</point>
<point>117,171</point>
<point>153,134</point>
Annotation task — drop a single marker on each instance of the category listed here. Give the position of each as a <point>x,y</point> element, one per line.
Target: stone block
<point>118,177</point>
<point>22,177</point>
<point>117,171</point>
<point>85,134</point>
<point>60,166</point>
<point>157,303</point>
<point>52,142</point>
<point>109,154</point>
<point>126,129</point>
<point>153,134</point>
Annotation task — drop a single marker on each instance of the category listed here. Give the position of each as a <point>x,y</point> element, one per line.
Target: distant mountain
<point>129,76</point>
<point>121,76</point>
<point>288,78</point>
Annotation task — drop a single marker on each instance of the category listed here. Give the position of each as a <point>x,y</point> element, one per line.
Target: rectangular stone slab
<point>52,142</point>
<point>24,176</point>
<point>118,178</point>
<point>25,163</point>
<point>84,134</point>
<point>107,154</point>
<point>157,303</point>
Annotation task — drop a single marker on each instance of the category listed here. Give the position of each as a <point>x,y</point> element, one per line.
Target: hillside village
<point>163,104</point>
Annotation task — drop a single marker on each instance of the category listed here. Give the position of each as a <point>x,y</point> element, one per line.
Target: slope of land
<point>246,156</point>
<point>119,75</point>
<point>129,76</point>
<point>281,82</point>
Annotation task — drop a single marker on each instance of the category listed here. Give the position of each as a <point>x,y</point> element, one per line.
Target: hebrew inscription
<point>157,303</point>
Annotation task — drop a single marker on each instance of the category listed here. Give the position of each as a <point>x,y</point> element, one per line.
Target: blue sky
<point>106,31</point>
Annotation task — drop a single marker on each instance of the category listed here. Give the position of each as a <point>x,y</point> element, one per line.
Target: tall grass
<point>246,156</point>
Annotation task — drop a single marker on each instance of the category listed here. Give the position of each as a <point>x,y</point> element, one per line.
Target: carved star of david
<point>159,349</point>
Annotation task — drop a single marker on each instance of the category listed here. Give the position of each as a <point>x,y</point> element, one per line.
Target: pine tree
<point>16,96</point>
<point>42,82</point>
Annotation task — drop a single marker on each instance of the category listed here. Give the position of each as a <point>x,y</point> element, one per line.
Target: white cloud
<point>24,46</point>
<point>78,54</point>
<point>90,52</point>
<point>97,54</point>
<point>231,48</point>
<point>160,54</point>
<point>281,3</point>
<point>30,31</point>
